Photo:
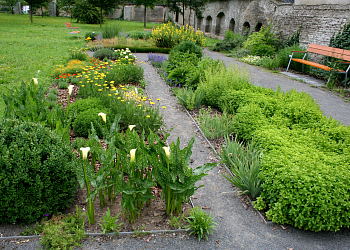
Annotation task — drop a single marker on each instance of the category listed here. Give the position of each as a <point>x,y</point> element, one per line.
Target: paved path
<point>238,228</point>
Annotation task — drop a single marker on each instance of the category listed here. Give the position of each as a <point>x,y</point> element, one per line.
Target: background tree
<point>195,5</point>
<point>9,3</point>
<point>66,5</point>
<point>107,6</point>
<point>34,4</point>
<point>147,4</point>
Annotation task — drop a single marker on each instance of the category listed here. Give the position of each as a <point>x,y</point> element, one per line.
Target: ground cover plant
<point>298,153</point>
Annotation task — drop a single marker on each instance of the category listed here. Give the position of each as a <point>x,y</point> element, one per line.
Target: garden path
<point>238,227</point>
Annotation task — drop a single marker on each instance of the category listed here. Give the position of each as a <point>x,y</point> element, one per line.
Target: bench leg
<point>290,56</point>
<point>346,79</point>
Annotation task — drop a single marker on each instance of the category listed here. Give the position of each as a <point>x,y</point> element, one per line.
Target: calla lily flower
<point>85,152</point>
<point>132,155</point>
<point>167,151</point>
<point>35,80</point>
<point>70,89</point>
<point>132,126</point>
<point>103,115</point>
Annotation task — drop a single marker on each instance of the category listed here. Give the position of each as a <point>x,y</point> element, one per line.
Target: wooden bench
<point>342,54</point>
<point>150,29</point>
<point>73,30</point>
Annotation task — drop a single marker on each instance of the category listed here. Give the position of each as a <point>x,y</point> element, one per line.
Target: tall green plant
<point>244,161</point>
<point>172,172</point>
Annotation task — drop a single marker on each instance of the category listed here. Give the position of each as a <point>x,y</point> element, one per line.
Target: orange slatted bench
<point>73,30</point>
<point>342,54</point>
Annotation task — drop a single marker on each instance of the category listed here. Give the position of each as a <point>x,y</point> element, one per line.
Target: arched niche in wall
<point>219,20</point>
<point>232,25</point>
<point>258,26</point>
<point>208,23</point>
<point>246,28</point>
<point>199,23</point>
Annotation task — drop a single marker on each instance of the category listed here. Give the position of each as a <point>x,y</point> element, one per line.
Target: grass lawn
<point>32,50</point>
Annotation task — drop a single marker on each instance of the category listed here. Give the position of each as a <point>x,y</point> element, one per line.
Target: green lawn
<point>32,50</point>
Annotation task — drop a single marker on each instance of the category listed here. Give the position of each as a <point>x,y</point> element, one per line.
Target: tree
<point>147,4</point>
<point>9,3</point>
<point>105,5</point>
<point>196,5</point>
<point>34,4</point>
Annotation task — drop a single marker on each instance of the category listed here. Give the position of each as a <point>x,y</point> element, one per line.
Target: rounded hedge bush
<point>36,174</point>
<point>82,123</point>
<point>103,53</point>
<point>187,47</point>
<point>81,105</point>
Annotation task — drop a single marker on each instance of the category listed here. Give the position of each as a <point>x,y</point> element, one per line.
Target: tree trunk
<point>31,13</point>
<point>101,18</point>
<point>144,17</point>
<point>183,13</point>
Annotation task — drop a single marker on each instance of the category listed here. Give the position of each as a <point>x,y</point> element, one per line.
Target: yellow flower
<point>83,85</point>
<point>147,116</point>
<point>164,107</point>
<point>109,94</point>
<point>99,89</point>
<point>152,103</point>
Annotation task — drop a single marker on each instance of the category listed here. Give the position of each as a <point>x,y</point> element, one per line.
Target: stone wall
<point>133,13</point>
<point>318,22</point>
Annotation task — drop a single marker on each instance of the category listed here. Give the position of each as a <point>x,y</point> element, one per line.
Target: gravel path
<point>238,227</point>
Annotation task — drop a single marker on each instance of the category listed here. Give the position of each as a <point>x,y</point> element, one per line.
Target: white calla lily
<point>70,89</point>
<point>167,151</point>
<point>132,155</point>
<point>35,80</point>
<point>103,115</point>
<point>132,126</point>
<point>85,152</point>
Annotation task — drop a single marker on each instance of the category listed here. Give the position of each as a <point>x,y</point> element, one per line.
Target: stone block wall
<point>133,13</point>
<point>318,22</point>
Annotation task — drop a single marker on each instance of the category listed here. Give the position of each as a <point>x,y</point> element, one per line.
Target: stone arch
<point>258,26</point>
<point>208,23</point>
<point>219,20</point>
<point>246,28</point>
<point>199,23</point>
<point>232,25</point>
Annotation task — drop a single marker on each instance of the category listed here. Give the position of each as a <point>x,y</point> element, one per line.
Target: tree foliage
<point>147,4</point>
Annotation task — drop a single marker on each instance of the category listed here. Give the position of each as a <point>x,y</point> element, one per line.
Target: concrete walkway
<point>238,227</point>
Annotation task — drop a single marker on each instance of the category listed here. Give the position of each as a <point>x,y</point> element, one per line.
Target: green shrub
<point>231,41</point>
<point>125,74</point>
<point>180,65</point>
<point>201,224</point>
<point>36,172</point>
<point>270,62</point>
<point>305,177</point>
<point>222,79</point>
<point>81,105</point>
<point>82,123</point>
<point>85,12</point>
<point>62,84</point>
<point>262,43</point>
<point>341,40</point>
<point>111,30</point>
<point>91,34</point>
<point>103,53</point>
<point>187,47</point>
<point>52,97</point>
<point>140,35</point>
<point>77,55</point>
<point>283,56</point>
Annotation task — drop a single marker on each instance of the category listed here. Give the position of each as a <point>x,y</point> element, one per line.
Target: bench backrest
<point>330,51</point>
<point>68,25</point>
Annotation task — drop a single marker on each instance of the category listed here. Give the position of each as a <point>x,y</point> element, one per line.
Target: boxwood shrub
<point>36,175</point>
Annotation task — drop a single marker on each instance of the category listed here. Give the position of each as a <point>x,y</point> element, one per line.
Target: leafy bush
<point>36,172</point>
<point>222,79</point>
<point>156,60</point>
<point>341,40</point>
<point>140,35</point>
<point>62,85</point>
<point>305,175</point>
<point>240,52</point>
<point>85,12</point>
<point>283,56</point>
<point>231,41</point>
<point>262,43</point>
<point>180,65</point>
<point>77,55</point>
<point>125,74</point>
<point>103,53</point>
<point>188,47</point>
<point>168,35</point>
<point>270,62</point>
<point>81,105</point>
<point>91,34</point>
<point>82,123</point>
<point>52,97</point>
<point>111,30</point>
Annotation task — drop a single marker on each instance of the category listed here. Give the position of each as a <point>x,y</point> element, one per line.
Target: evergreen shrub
<point>36,173</point>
